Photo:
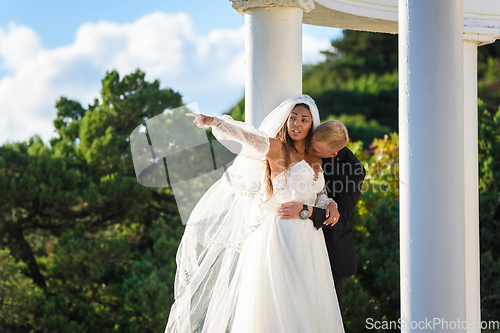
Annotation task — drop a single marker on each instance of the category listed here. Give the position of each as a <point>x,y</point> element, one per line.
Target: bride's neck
<point>300,146</point>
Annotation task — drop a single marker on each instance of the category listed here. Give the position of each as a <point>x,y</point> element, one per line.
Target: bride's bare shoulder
<point>275,148</point>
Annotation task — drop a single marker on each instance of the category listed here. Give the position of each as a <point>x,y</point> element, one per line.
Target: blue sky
<point>56,48</point>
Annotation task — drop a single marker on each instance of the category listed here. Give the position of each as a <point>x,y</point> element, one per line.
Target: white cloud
<point>311,48</point>
<point>205,68</point>
<point>18,44</point>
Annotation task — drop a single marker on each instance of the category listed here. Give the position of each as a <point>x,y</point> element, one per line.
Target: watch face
<point>304,214</point>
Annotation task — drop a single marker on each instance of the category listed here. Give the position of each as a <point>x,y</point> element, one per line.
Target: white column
<point>471,204</point>
<point>432,179</point>
<point>273,54</point>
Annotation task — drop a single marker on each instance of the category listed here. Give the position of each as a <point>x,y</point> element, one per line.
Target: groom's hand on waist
<point>332,214</point>
<point>291,210</point>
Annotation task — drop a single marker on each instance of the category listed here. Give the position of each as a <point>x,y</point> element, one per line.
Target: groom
<point>344,175</point>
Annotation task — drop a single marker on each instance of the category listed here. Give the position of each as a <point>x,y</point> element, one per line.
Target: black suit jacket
<point>344,175</point>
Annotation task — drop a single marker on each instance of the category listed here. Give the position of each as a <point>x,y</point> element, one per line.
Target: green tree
<point>489,203</point>
<point>18,295</point>
<point>488,84</point>
<point>78,224</point>
<point>358,53</point>
<point>360,129</point>
<point>375,287</point>
<point>358,77</point>
<point>237,112</point>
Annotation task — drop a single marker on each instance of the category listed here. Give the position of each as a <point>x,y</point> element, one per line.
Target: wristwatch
<point>304,213</point>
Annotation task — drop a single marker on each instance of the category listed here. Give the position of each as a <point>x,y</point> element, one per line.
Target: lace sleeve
<point>322,199</point>
<point>252,143</point>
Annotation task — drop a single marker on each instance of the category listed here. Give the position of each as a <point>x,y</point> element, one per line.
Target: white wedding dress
<point>241,268</point>
<point>287,283</point>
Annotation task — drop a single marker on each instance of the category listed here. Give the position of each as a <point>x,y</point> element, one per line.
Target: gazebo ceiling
<point>354,15</point>
<point>480,16</point>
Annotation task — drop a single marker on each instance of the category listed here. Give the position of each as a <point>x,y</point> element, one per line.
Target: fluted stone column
<point>432,159</point>
<point>273,53</point>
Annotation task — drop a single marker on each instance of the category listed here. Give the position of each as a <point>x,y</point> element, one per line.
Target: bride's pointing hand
<point>200,119</point>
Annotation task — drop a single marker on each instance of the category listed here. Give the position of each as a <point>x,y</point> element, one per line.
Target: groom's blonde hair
<point>333,133</point>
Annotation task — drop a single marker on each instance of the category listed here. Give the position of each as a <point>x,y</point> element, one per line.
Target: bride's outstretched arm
<point>253,143</point>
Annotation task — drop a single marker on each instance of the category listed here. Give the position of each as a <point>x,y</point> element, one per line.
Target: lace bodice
<point>298,184</point>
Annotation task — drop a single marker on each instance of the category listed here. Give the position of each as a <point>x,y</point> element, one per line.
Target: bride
<point>240,268</point>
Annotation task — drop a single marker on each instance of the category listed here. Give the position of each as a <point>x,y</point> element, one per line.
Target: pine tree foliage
<point>85,247</point>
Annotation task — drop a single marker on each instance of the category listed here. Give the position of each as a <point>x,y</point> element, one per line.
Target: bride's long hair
<point>288,145</point>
